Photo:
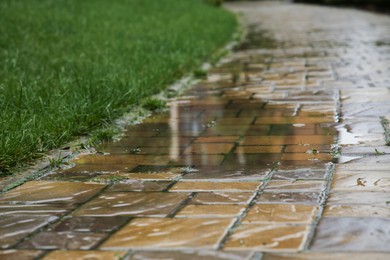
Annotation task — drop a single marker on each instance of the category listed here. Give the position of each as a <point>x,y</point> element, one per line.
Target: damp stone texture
<point>280,153</point>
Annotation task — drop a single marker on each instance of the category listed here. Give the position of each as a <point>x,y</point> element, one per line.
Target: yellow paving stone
<point>346,234</point>
<point>85,255</point>
<point>215,186</point>
<point>281,213</point>
<point>11,254</point>
<point>357,211</point>
<point>217,139</point>
<point>361,181</point>
<point>209,148</point>
<point>211,211</point>
<point>222,197</point>
<point>191,255</point>
<point>51,192</point>
<point>152,176</point>
<point>300,186</point>
<point>157,204</point>
<point>169,234</point>
<point>259,149</point>
<point>378,198</point>
<point>268,237</point>
<point>306,156</point>
<point>288,140</point>
<point>293,120</point>
<point>13,228</point>
<point>326,256</point>
<point>308,149</point>
<point>130,159</point>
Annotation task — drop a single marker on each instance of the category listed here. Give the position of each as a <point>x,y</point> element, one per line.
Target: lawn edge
<point>79,145</point>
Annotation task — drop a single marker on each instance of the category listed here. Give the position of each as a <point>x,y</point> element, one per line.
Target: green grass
<point>69,66</point>
<point>386,127</point>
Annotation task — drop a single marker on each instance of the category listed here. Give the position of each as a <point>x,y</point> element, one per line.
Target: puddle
<point>345,137</point>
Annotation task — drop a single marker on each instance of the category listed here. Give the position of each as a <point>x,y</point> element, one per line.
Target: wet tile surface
<point>35,209</point>
<point>16,227</point>
<point>289,197</point>
<point>169,233</point>
<point>357,211</point>
<point>62,240</point>
<point>245,160</point>
<point>215,186</point>
<point>85,255</point>
<point>19,254</point>
<point>280,213</point>
<point>192,255</point>
<point>358,234</point>
<point>326,256</point>
<point>35,192</point>
<point>359,198</point>
<point>90,224</point>
<point>198,211</point>
<point>222,198</point>
<point>268,237</point>
<point>132,204</point>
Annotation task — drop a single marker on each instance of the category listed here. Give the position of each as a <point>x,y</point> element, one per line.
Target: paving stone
<point>353,234</point>
<point>357,211</point>
<point>198,160</point>
<point>293,120</point>
<point>280,213</point>
<point>209,148</point>
<point>169,233</point>
<point>288,140</point>
<point>157,204</point>
<point>215,186</point>
<point>138,141</point>
<point>192,255</point>
<point>45,192</point>
<point>359,197</point>
<point>265,160</point>
<point>63,240</point>
<point>19,254</point>
<point>35,209</point>
<point>129,160</point>
<point>361,181</point>
<point>222,197</point>
<point>227,172</point>
<point>289,197</point>
<point>140,186</point>
<point>70,176</point>
<point>85,255</point>
<point>326,256</point>
<point>214,211</point>
<point>161,169</point>
<point>259,149</point>
<point>301,174</point>
<point>268,237</point>
<point>295,186</point>
<point>217,139</point>
<point>306,156</point>
<point>89,224</point>
<point>308,148</point>
<point>131,177</point>
<point>13,228</point>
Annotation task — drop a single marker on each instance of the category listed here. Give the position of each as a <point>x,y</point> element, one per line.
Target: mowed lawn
<point>70,66</point>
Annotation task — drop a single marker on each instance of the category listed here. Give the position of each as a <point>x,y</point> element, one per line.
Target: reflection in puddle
<point>346,137</point>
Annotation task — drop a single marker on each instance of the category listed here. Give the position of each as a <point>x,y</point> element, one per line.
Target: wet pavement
<point>279,154</point>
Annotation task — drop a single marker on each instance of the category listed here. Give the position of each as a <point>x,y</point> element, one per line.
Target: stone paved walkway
<point>241,166</point>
